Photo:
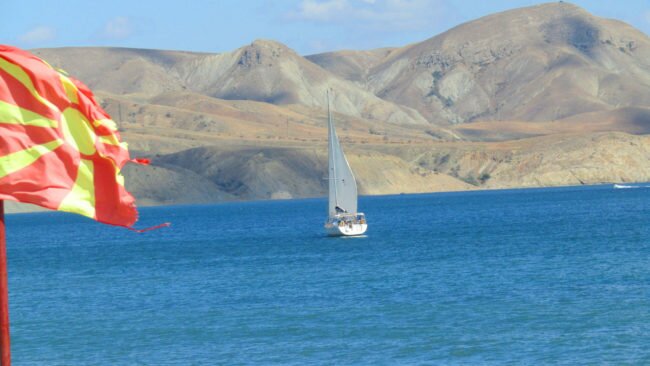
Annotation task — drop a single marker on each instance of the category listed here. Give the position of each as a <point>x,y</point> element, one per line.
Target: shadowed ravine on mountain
<point>538,96</point>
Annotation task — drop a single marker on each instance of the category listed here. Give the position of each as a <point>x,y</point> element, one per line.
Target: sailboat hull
<point>346,230</point>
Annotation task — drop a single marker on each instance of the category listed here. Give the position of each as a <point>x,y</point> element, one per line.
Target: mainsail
<point>342,185</point>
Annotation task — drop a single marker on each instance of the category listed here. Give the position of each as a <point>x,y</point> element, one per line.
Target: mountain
<point>280,172</point>
<point>268,71</point>
<point>537,64</point>
<point>265,71</point>
<point>134,73</point>
<point>351,65</point>
<point>537,96</point>
<point>571,159</point>
<point>222,173</point>
<point>541,63</point>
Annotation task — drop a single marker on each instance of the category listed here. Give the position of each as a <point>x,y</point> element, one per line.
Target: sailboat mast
<point>332,165</point>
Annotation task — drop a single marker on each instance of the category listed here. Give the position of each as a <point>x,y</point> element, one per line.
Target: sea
<point>557,276</point>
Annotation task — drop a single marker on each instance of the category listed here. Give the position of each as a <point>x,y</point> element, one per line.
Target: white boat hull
<point>346,230</point>
<point>623,186</point>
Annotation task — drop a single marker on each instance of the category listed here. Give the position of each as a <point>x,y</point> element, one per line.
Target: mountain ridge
<point>493,67</point>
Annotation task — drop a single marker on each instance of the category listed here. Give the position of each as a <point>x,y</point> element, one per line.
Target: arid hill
<point>264,71</point>
<point>542,63</point>
<point>537,96</point>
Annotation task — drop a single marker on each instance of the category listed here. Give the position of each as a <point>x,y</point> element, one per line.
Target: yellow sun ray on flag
<point>14,114</point>
<point>21,159</point>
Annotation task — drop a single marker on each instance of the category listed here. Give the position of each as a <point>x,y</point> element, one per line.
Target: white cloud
<point>38,34</point>
<point>118,28</point>
<point>320,10</point>
<point>387,15</point>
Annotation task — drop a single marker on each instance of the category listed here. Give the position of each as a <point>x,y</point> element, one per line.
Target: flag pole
<point>5,350</point>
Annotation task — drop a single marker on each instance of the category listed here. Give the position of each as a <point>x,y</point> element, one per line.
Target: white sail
<point>342,185</point>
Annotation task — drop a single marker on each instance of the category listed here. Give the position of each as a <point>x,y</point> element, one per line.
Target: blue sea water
<point>535,276</point>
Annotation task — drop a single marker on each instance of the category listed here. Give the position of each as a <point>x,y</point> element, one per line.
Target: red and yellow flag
<point>58,148</point>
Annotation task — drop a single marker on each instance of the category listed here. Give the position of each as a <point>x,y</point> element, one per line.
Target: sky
<point>307,26</point>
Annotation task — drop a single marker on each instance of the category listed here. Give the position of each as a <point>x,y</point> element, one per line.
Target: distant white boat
<point>343,218</point>
<point>623,186</point>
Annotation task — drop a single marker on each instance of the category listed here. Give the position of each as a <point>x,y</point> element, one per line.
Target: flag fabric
<point>58,148</point>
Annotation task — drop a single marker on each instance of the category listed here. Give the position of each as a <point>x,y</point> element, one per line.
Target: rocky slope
<point>293,172</point>
<point>572,159</point>
<point>264,71</point>
<point>352,65</point>
<point>272,172</point>
<point>540,63</point>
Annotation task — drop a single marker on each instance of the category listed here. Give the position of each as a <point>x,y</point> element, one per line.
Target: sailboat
<point>343,218</point>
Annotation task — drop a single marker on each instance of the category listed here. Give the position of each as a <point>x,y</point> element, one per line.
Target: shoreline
<point>17,208</point>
